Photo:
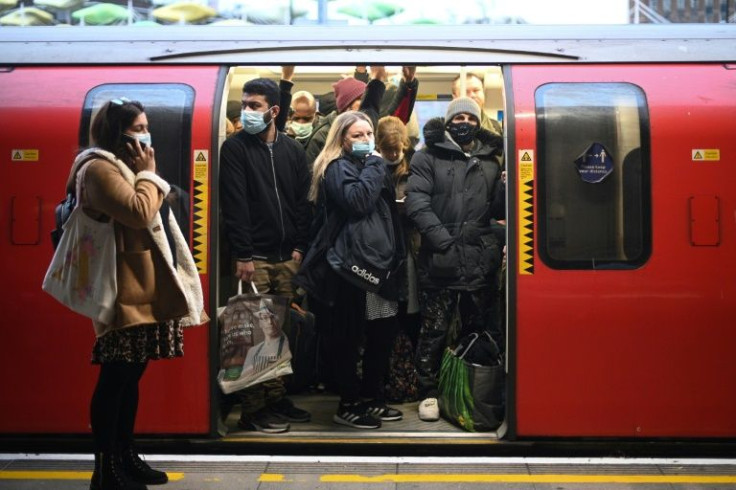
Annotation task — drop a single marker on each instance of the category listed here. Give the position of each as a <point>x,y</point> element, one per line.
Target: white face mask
<point>143,138</point>
<point>301,130</point>
<point>399,159</point>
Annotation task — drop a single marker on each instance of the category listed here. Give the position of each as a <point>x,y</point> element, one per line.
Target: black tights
<point>114,405</point>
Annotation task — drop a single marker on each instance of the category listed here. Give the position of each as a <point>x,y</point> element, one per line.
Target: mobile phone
<point>130,139</point>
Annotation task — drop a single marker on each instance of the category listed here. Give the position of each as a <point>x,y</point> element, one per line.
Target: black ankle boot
<point>138,470</point>
<point>109,475</point>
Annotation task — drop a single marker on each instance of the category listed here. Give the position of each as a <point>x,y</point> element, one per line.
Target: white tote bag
<point>82,275</point>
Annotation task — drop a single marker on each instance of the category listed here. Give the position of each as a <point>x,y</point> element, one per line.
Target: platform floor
<point>67,472</point>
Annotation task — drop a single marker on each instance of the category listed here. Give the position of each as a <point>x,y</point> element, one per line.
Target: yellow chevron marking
<point>201,208</point>
<point>526,212</point>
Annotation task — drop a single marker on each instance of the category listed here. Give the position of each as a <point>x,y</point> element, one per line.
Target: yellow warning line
<point>510,478</point>
<point>422,478</point>
<point>61,475</point>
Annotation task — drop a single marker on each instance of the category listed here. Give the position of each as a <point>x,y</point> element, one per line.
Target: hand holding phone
<point>143,155</point>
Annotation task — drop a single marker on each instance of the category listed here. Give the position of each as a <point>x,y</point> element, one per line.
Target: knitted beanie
<point>460,105</point>
<point>346,91</point>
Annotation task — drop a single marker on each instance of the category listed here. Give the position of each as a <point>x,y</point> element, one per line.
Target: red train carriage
<point>621,158</point>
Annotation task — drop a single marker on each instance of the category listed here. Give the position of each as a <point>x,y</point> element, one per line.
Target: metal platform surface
<point>31,471</point>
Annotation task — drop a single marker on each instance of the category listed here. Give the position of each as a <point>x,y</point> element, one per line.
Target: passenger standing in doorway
<point>475,89</point>
<point>159,290</point>
<point>350,266</point>
<point>264,184</point>
<point>453,184</point>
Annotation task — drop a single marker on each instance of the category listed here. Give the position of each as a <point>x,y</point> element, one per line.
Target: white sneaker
<point>429,410</point>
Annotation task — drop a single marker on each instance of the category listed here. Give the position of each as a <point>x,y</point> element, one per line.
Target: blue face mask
<point>361,150</point>
<point>143,138</point>
<point>254,122</point>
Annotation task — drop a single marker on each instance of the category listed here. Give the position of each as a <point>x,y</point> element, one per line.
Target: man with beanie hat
<point>454,182</point>
<point>474,88</point>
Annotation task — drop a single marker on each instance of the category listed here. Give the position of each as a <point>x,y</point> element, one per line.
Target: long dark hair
<point>111,121</point>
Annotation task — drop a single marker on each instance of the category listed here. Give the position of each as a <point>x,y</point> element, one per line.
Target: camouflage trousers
<point>448,315</point>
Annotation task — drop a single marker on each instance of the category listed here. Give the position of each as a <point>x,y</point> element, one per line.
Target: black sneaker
<point>382,411</point>
<point>284,409</point>
<point>355,415</point>
<point>262,421</point>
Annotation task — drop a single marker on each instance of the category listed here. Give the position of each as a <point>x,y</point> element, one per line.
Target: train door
<point>622,271</point>
<point>45,115</point>
<point>434,95</point>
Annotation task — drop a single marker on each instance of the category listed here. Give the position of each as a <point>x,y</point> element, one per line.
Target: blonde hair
<point>333,148</point>
<point>392,133</point>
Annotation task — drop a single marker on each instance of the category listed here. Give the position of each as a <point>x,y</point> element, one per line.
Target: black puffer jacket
<point>450,199</point>
<point>360,238</point>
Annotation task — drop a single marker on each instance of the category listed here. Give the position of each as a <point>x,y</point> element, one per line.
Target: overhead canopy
<point>371,11</point>
<point>59,4</point>
<point>101,14</point>
<point>184,12</point>
<point>27,16</point>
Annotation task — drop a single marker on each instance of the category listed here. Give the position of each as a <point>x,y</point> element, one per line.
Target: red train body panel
<point>46,349</point>
<point>643,352</point>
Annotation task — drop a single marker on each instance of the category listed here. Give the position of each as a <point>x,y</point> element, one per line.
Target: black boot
<point>138,470</point>
<point>109,475</point>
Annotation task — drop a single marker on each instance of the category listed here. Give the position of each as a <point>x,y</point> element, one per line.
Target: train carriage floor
<point>322,407</point>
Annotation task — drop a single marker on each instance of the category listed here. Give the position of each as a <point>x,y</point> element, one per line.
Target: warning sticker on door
<point>24,155</point>
<point>526,212</point>
<point>706,155</point>
<point>201,208</point>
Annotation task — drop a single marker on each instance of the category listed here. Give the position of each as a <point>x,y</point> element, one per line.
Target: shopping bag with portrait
<point>253,345</point>
<point>82,274</point>
<point>472,384</point>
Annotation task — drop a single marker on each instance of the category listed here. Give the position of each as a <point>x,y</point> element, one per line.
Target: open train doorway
<point>436,86</point>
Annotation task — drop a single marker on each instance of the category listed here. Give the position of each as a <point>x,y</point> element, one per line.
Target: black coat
<point>450,198</point>
<point>263,194</point>
<point>360,238</point>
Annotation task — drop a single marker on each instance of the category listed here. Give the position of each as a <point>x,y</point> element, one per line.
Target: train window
<point>169,108</point>
<point>593,168</point>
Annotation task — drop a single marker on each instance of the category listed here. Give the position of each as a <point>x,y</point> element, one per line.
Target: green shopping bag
<point>471,394</point>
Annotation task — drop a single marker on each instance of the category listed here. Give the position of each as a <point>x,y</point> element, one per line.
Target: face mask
<point>254,122</point>
<point>462,133</point>
<point>362,150</point>
<point>399,159</point>
<point>143,138</point>
<point>301,130</point>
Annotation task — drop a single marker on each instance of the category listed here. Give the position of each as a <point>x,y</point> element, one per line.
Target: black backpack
<point>61,214</point>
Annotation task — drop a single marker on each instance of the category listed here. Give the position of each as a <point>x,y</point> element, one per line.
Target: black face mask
<point>462,133</point>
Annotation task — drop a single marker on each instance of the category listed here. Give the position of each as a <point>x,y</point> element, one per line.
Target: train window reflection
<point>169,108</point>
<point>593,167</point>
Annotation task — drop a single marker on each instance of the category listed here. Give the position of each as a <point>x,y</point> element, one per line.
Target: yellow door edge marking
<point>520,478</point>
<point>201,204</point>
<point>61,475</point>
<point>526,212</point>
